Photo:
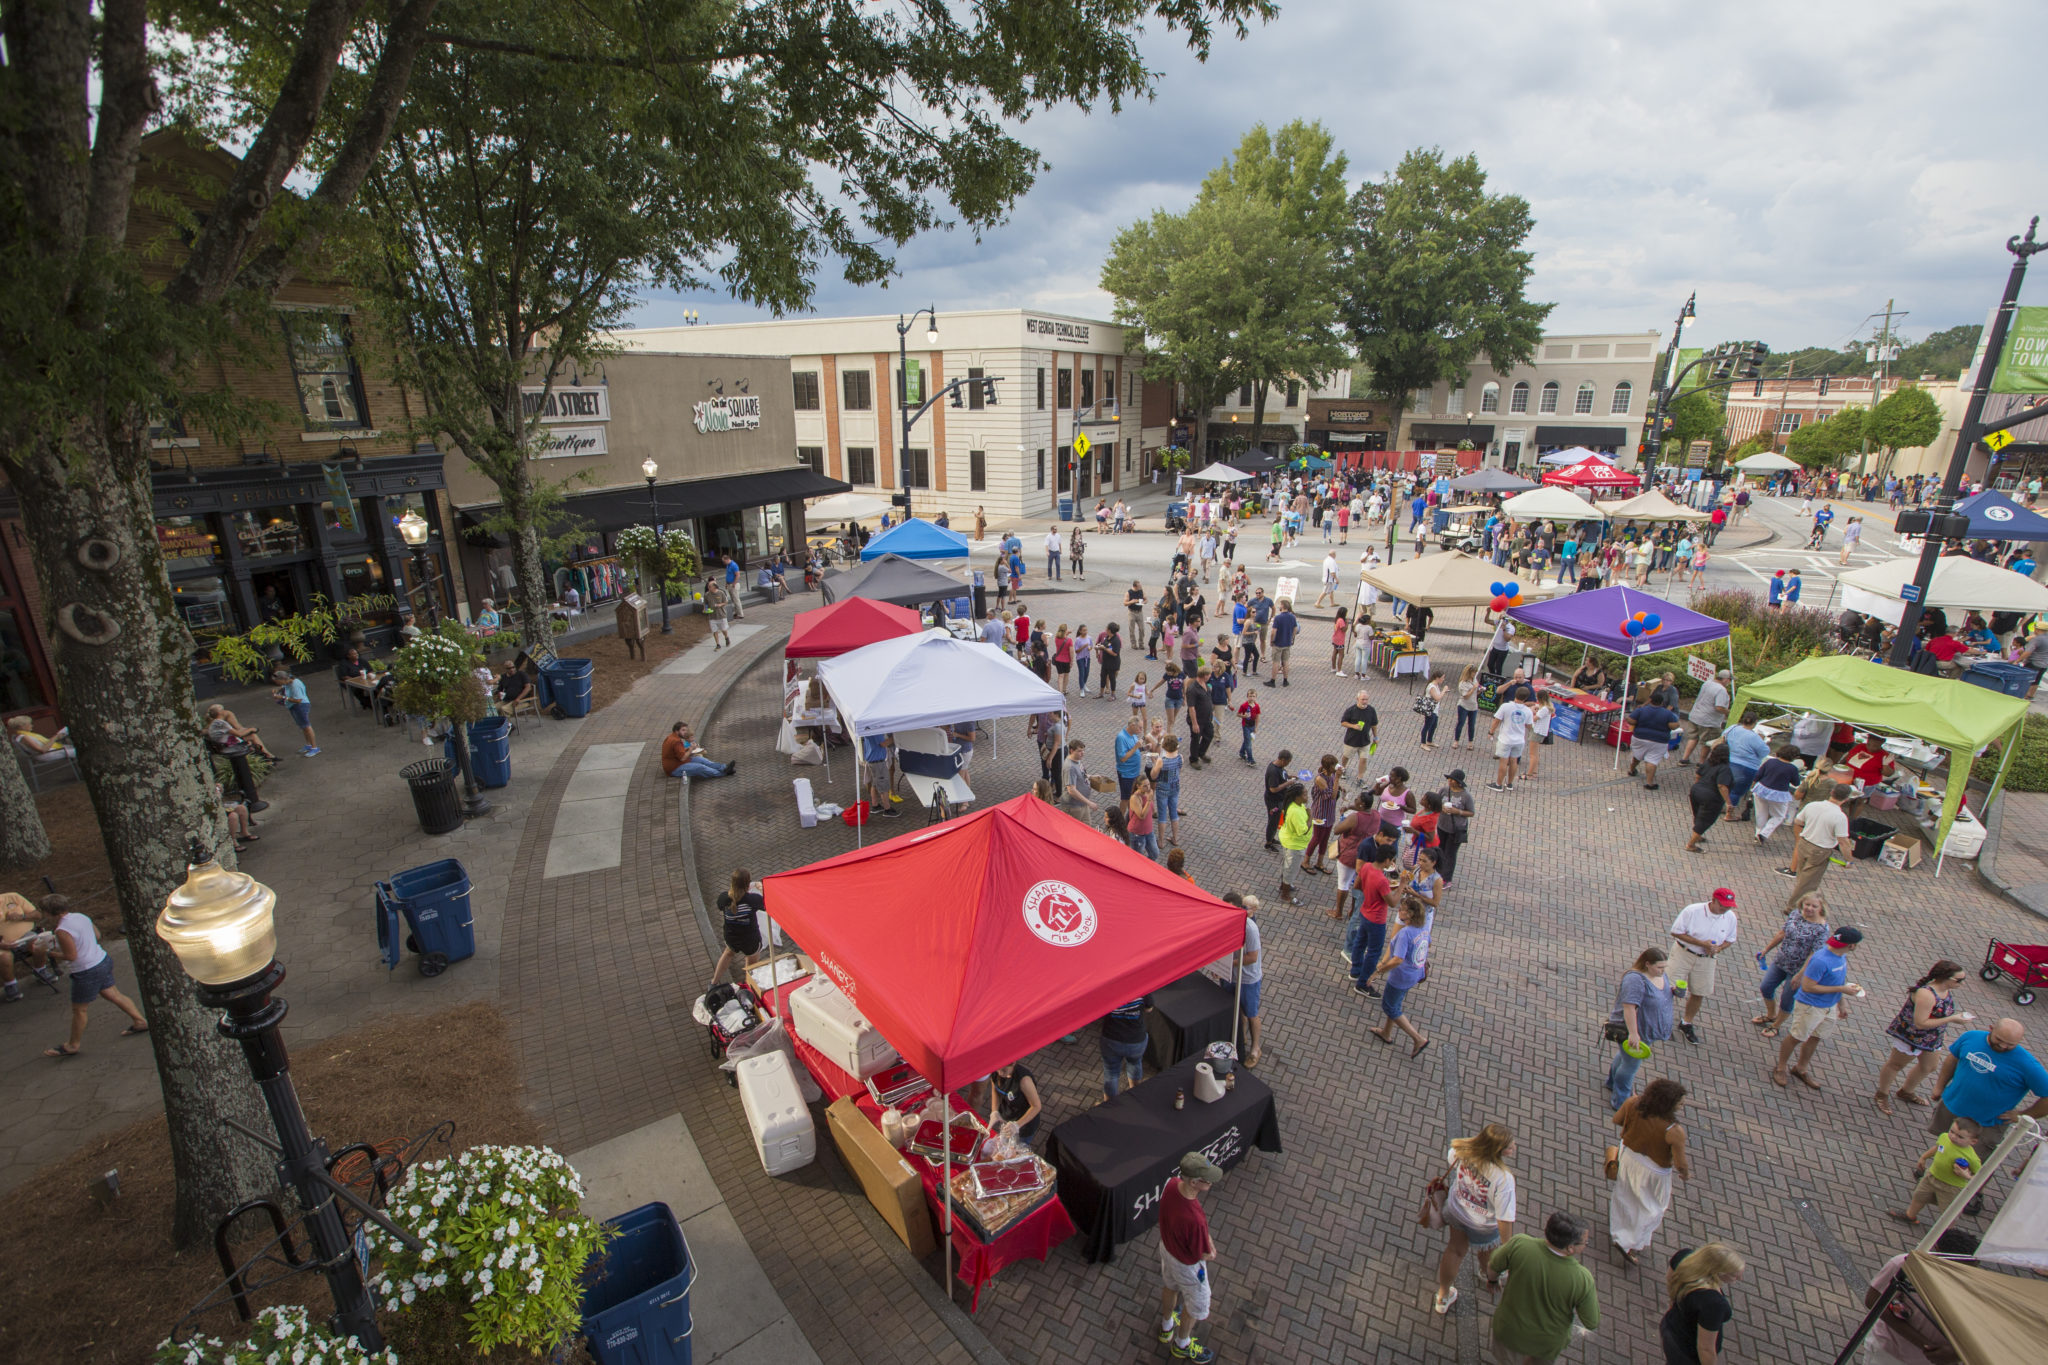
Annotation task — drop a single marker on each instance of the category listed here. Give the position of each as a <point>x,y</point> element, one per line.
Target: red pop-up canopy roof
<point>846,625</point>
<point>974,942</point>
<point>1592,473</point>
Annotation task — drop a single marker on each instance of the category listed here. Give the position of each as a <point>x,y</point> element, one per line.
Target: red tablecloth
<point>1032,1238</point>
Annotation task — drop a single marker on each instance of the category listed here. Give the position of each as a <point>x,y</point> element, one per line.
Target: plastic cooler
<point>435,900</point>
<point>636,1292</point>
<point>785,1138</point>
<point>823,1017</point>
<point>569,684</point>
<point>1870,835</point>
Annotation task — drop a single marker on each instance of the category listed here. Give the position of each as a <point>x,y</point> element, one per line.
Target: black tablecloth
<point>1186,1017</point>
<point>1115,1159</point>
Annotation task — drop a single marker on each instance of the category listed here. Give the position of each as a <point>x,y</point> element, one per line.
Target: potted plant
<point>250,656</point>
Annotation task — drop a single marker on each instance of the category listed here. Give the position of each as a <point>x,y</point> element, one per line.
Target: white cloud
<point>1797,164</point>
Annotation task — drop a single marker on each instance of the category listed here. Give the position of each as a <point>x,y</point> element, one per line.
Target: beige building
<point>1058,377</point>
<point>721,431</point>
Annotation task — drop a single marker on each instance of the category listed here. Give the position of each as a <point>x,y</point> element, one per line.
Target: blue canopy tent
<point>1311,463</point>
<point>915,539</point>
<point>1994,516</point>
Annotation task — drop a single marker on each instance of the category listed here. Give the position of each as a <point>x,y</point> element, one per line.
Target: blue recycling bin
<point>1066,509</point>
<point>569,684</point>
<point>490,750</point>
<point>2011,679</point>
<point>435,902</point>
<point>636,1292</point>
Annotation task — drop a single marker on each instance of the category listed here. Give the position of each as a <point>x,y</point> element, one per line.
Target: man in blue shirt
<point>732,585</point>
<point>1819,1001</point>
<point>1777,589</point>
<point>1792,589</point>
<point>1284,626</point>
<point>1984,1077</point>
<point>1747,753</point>
<point>1262,614</point>
<point>1130,757</point>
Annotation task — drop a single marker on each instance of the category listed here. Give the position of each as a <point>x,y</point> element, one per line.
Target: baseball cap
<point>1195,1166</point>
<point>1456,775</point>
<point>1846,934</point>
<point>1724,897</point>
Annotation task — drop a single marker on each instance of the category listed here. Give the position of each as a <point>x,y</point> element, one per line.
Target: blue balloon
<point>1651,622</point>
<point>1512,590</point>
<point>1496,590</point>
<point>1634,629</point>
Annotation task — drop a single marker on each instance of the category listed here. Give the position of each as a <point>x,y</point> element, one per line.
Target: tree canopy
<point>1433,270</point>
<point>1907,417</point>
<point>1823,444</point>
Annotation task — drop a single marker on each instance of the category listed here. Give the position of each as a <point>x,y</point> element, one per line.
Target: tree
<point>1945,354</point>
<point>1432,270</point>
<point>22,838</point>
<point>1696,415</point>
<point>889,106</point>
<point>1907,417</point>
<point>1823,444</point>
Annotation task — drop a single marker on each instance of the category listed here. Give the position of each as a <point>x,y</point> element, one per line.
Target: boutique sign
<point>551,443</point>
<point>740,412</point>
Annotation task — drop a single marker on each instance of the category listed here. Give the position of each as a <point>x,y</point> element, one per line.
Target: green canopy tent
<point>1956,716</point>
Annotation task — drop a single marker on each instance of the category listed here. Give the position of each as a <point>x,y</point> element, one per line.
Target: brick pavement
<point>1562,884</point>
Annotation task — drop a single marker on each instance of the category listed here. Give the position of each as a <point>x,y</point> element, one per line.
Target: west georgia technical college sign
<point>740,412</point>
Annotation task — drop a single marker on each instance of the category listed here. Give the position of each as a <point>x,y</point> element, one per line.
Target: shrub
<point>280,1334</point>
<point>2029,770</point>
<point>437,674</point>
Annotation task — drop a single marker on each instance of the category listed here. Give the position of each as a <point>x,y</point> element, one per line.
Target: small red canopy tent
<point>1592,473</point>
<point>846,625</point>
<point>975,942</point>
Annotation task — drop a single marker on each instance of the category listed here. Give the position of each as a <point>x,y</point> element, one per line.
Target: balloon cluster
<point>1505,595</point>
<point>1642,623</point>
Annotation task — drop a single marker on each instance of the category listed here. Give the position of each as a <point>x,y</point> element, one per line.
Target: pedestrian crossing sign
<point>1998,440</point>
<point>1082,445</point>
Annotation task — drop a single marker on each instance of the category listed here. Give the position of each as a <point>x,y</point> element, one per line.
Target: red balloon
<point>1500,604</point>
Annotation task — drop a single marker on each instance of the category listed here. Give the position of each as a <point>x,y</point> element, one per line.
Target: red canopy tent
<point>846,625</point>
<point>975,942</point>
<point>1592,473</point>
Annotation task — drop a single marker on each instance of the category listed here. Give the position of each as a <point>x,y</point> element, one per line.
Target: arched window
<point>1489,398</point>
<point>1584,401</point>
<point>1550,392</point>
<point>1518,401</point>
<point>1624,394</point>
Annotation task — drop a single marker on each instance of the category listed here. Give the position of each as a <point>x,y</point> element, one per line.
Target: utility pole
<point>1884,360</point>
<point>1785,393</point>
<point>1940,521</point>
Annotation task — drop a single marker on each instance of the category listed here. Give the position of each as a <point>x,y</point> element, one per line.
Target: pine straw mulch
<point>105,1285</point>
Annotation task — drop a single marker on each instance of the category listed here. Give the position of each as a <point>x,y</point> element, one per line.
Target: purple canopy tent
<point>1599,620</point>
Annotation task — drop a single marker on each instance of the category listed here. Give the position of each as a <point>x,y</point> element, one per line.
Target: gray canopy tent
<point>893,579</point>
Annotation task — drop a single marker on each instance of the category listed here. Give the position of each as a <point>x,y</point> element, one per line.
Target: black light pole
<point>1661,391</point>
<point>1937,524</point>
<point>413,528</point>
<point>651,469</point>
<point>931,337</point>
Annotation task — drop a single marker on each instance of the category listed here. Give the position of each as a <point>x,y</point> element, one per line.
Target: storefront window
<point>765,537</point>
<point>208,612</point>
<point>364,577</point>
<point>19,690</point>
<point>269,532</point>
<point>395,508</point>
<point>331,513</point>
<point>186,541</point>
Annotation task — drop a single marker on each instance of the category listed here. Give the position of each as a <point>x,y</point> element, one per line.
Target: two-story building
<point>1068,417</point>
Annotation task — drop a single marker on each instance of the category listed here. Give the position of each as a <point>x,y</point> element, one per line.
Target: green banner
<point>1686,356</point>
<point>913,382</point>
<point>2023,368</point>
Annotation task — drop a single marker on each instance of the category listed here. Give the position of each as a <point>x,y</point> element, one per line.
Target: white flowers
<point>281,1336</point>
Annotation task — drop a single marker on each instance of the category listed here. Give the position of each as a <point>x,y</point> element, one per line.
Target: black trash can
<point>433,794</point>
<point>1870,835</point>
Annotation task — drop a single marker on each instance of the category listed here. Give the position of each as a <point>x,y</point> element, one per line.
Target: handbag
<point>1431,1214</point>
<point>1610,1164</point>
<point>1423,706</point>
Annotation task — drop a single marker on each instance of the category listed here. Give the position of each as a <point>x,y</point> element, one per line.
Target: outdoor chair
<point>43,769</point>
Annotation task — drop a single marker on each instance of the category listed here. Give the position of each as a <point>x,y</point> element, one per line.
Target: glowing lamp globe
<point>220,924</point>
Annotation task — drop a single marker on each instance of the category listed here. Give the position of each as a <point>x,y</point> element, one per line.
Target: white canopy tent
<point>1960,583</point>
<point>846,507</point>
<point>916,682</point>
<point>1552,504</point>
<point>1653,506</point>
<point>1765,462</point>
<point>1218,473</point>
<point>1574,455</point>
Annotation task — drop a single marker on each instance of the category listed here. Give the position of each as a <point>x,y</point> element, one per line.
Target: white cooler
<point>823,1017</point>
<point>784,1136</point>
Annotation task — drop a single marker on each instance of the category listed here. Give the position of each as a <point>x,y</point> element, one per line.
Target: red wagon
<point>2023,964</point>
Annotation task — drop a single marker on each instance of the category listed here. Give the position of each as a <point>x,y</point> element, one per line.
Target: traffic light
<point>900,500</point>
<point>1753,362</point>
<point>1642,447</point>
<point>1724,365</point>
<point>988,390</point>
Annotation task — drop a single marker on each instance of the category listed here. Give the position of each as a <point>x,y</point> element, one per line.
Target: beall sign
<point>740,412</point>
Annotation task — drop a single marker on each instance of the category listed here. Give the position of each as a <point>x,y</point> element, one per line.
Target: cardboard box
<point>1902,851</point>
<point>891,1185</point>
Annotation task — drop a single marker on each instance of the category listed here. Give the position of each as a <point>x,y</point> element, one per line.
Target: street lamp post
<point>412,528</point>
<point>221,926</point>
<point>651,469</point>
<point>1661,390</point>
<point>931,338</point>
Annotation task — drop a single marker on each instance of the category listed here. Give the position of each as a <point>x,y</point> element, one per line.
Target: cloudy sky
<point>1795,162</point>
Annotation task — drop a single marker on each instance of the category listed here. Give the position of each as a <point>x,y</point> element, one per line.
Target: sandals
<point>1764,1020</point>
<point>1806,1080</point>
<point>1912,1097</point>
<point>1883,1103</point>
<point>134,1029</point>
<point>1418,1048</point>
<point>60,1051</point>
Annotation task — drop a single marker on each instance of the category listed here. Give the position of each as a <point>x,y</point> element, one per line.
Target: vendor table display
<point>1581,716</point>
<point>1115,1159</point>
<point>1186,1017</point>
<point>989,1233</point>
<point>1397,657</point>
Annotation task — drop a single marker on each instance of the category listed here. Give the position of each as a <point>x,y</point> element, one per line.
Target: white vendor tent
<point>1218,473</point>
<point>1765,462</point>
<point>845,507</point>
<point>1552,504</point>
<point>1652,506</point>
<point>1573,454</point>
<point>1960,583</point>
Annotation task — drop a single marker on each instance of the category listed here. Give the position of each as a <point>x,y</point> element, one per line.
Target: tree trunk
<point>536,627</point>
<point>1258,416</point>
<point>22,840</point>
<point>123,665</point>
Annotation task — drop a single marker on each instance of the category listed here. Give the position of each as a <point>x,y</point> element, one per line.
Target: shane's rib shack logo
<point>1060,914</point>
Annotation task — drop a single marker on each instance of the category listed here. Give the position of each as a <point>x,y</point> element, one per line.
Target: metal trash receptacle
<point>435,900</point>
<point>433,794</point>
<point>569,683</point>
<point>636,1292</point>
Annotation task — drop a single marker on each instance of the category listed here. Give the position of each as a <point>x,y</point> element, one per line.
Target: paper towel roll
<point>1207,1088</point>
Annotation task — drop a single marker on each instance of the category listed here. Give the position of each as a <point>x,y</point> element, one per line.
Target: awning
<point>1479,432</point>
<point>1600,619</point>
<point>1989,1318</point>
<point>609,508</point>
<point>1581,436</point>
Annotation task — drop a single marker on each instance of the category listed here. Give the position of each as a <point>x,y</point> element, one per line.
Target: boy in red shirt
<point>1248,717</point>
<point>1184,1247</point>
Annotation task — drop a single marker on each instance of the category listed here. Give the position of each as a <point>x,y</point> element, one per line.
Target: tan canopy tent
<point>1552,504</point>
<point>1652,506</point>
<point>1450,579</point>
<point>1990,1318</point>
